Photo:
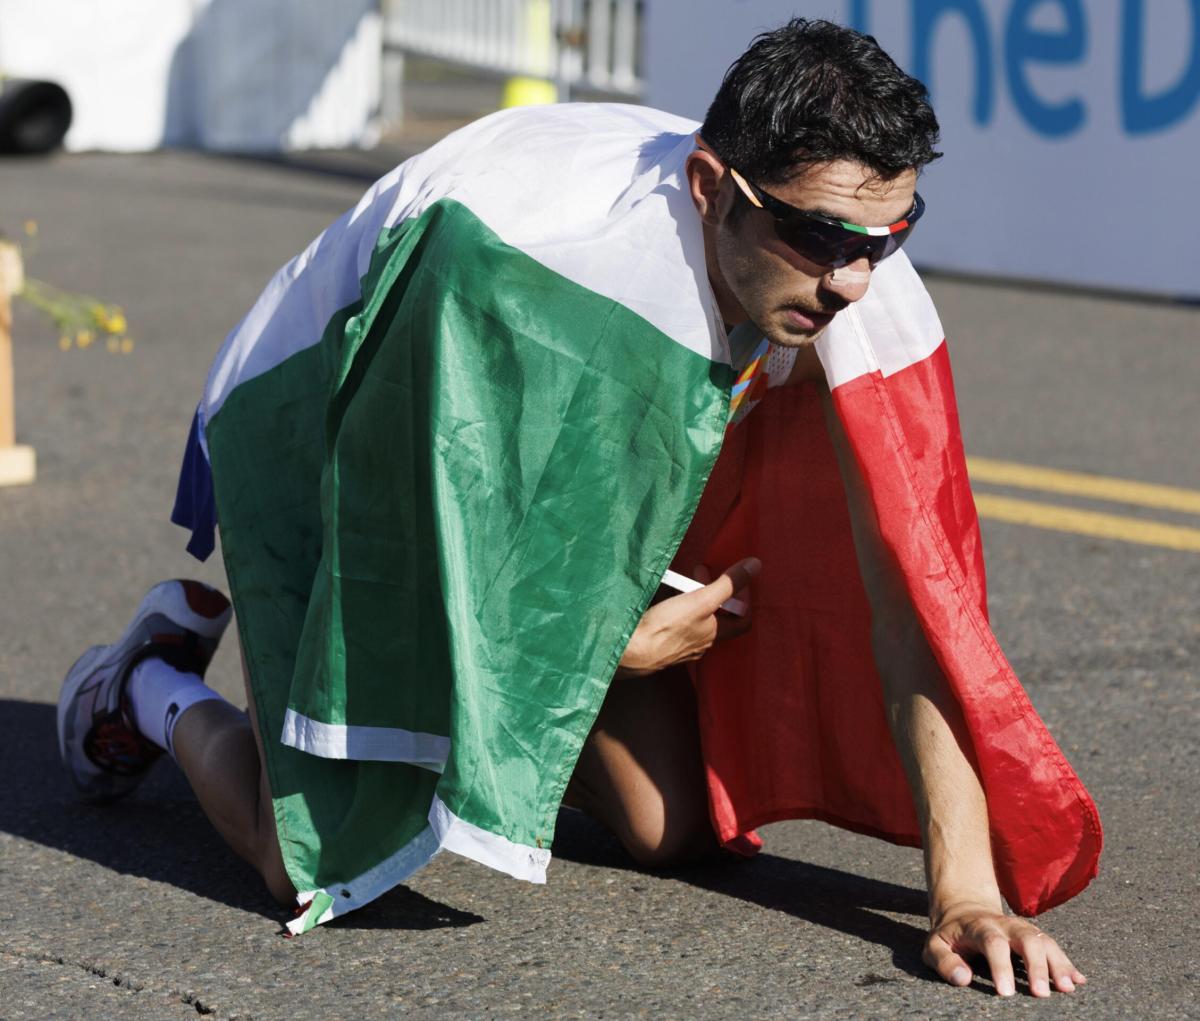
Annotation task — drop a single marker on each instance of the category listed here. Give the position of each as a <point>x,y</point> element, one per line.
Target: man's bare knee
<point>659,843</point>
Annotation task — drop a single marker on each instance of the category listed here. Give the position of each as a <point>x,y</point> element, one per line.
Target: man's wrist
<point>947,905</point>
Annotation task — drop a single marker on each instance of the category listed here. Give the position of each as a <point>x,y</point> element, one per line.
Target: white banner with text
<point>1071,128</point>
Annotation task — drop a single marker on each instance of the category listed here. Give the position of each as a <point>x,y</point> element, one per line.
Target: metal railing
<point>588,45</point>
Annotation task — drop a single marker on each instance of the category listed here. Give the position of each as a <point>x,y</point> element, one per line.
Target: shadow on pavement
<point>405,909</point>
<point>158,832</point>
<point>813,893</point>
<point>161,834</point>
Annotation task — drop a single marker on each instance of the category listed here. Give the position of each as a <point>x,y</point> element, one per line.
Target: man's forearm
<point>930,735</point>
<point>925,718</point>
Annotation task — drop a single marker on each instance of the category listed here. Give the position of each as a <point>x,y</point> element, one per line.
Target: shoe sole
<point>185,604</point>
<point>80,671</point>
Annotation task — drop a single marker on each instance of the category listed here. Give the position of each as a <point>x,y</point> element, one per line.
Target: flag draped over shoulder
<point>455,445</point>
<point>453,448</point>
<point>792,717</point>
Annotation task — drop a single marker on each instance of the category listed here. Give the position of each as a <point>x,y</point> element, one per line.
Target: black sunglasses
<point>822,239</point>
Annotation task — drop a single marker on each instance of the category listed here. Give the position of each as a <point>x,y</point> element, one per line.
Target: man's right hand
<point>684,627</point>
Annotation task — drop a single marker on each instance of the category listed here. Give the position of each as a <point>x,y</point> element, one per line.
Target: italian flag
<point>454,447</point>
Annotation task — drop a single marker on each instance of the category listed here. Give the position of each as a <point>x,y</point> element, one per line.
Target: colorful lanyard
<point>751,384</point>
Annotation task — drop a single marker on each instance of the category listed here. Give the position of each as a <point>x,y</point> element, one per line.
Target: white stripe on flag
<point>599,198</point>
<point>378,744</point>
<point>517,860</point>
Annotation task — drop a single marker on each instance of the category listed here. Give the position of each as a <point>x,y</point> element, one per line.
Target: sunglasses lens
<point>817,242</point>
<point>832,246</point>
<point>892,242</point>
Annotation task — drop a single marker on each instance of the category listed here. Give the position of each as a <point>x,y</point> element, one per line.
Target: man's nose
<point>849,282</point>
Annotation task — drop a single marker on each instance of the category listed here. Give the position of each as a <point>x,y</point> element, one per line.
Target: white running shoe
<point>178,621</point>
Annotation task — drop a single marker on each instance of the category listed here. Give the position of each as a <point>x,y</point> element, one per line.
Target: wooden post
<point>18,466</point>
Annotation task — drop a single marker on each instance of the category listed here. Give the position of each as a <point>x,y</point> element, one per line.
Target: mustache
<point>823,307</point>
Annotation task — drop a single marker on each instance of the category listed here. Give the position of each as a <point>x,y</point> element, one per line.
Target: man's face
<point>764,280</point>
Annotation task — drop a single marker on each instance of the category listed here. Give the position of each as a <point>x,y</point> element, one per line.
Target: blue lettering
<point>1023,43</point>
<point>925,15</point>
<point>858,16</point>
<point>1141,113</point>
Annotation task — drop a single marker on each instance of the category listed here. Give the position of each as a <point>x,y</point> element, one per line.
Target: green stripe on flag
<point>447,517</point>
<point>316,908</point>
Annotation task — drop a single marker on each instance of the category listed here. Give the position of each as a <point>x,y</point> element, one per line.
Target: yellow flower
<point>113,345</point>
<point>109,319</point>
<point>84,338</point>
<point>64,343</point>
<point>31,228</point>
<point>126,345</point>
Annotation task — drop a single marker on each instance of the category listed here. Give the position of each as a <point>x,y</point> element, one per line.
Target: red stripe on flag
<point>792,718</point>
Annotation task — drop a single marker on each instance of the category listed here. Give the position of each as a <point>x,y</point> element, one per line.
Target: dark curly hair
<point>811,92</point>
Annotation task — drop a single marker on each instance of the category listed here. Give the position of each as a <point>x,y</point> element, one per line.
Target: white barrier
<point>591,44</point>
<point>219,74</point>
<point>1071,127</point>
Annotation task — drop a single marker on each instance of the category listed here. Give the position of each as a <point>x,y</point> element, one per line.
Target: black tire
<point>34,116</point>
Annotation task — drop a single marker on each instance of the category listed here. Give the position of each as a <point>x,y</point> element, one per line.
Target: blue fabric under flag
<point>195,508</point>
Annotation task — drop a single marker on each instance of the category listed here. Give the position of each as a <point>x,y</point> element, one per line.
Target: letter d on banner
<point>1141,113</point>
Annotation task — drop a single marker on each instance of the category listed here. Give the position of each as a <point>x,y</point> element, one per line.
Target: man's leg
<point>641,772</point>
<point>219,749</point>
<point>121,705</point>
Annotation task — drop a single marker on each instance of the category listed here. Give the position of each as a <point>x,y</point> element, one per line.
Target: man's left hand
<point>969,931</point>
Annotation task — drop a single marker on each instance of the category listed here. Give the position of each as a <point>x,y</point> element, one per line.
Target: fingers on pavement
<point>1059,971</point>
<point>998,952</point>
<point>940,956</point>
<point>1033,948</point>
<point>1046,965</point>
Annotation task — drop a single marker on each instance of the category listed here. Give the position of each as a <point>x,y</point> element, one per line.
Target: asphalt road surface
<point>138,910</point>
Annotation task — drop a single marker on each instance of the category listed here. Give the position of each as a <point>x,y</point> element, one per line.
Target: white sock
<point>159,695</point>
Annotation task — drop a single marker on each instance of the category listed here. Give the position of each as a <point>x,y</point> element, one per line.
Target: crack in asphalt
<point>187,997</point>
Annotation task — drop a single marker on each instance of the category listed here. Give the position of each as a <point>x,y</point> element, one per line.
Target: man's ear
<point>706,175</point>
